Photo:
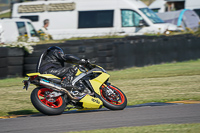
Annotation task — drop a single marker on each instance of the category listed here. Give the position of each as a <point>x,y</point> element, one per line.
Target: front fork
<point>108,91</point>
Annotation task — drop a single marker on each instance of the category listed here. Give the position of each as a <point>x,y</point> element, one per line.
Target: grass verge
<point>166,128</point>
<point>156,83</point>
<point>5,15</point>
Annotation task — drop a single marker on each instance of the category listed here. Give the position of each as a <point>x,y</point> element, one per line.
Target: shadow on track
<point>86,111</point>
<point>20,112</point>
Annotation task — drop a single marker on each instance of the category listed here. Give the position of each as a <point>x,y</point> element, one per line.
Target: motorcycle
<point>90,90</point>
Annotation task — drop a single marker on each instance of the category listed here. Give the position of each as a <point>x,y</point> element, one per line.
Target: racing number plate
<point>26,84</point>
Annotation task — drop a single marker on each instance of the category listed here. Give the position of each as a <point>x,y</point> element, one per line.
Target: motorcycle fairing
<point>78,72</point>
<point>43,75</point>
<point>98,81</point>
<point>90,102</point>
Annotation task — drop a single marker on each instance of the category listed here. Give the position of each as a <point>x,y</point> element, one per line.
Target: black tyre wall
<point>11,62</point>
<point>110,53</point>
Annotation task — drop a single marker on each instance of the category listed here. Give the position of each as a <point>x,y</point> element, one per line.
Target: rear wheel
<point>113,98</point>
<point>45,104</point>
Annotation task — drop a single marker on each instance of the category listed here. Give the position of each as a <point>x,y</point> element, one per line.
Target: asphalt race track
<point>138,115</point>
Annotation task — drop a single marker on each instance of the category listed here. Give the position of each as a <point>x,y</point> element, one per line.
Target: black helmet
<point>55,47</point>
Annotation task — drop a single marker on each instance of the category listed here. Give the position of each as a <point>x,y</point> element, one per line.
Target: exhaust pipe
<point>57,87</point>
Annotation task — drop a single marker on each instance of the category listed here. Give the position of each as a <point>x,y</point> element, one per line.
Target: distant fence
<point>116,53</point>
<point>144,50</point>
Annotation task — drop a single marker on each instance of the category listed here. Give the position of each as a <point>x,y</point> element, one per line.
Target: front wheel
<point>45,104</point>
<point>113,98</point>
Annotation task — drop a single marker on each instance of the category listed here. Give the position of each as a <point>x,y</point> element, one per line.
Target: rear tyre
<point>115,101</point>
<point>47,106</point>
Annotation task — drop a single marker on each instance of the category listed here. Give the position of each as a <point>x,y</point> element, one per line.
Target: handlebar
<point>89,64</point>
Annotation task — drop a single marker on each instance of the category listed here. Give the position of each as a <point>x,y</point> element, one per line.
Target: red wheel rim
<point>118,95</point>
<point>55,104</point>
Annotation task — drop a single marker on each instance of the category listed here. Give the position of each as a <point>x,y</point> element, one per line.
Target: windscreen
<point>151,15</point>
<point>32,30</point>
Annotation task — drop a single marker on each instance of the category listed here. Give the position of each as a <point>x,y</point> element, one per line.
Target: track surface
<point>88,120</point>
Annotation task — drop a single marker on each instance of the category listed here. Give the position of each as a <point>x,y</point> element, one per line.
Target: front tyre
<point>113,98</point>
<point>46,105</point>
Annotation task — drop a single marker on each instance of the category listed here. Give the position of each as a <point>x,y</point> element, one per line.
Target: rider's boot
<point>66,81</point>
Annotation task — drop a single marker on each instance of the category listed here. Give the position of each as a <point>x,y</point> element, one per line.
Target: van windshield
<point>32,30</point>
<point>151,15</point>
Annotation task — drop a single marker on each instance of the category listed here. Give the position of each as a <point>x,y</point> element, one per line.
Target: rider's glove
<point>84,61</point>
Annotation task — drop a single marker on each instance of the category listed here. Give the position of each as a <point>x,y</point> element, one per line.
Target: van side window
<point>32,29</point>
<point>34,18</point>
<point>21,28</point>
<point>95,19</point>
<point>130,18</point>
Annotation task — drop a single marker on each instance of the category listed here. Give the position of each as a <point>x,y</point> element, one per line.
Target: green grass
<point>5,15</point>
<point>187,68</point>
<point>15,100</point>
<point>80,38</point>
<point>147,2</point>
<point>159,83</point>
<point>166,128</point>
<point>156,83</point>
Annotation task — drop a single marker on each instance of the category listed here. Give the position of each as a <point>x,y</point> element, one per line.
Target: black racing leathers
<point>52,62</point>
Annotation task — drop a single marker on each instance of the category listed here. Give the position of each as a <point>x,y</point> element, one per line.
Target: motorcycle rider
<point>52,62</point>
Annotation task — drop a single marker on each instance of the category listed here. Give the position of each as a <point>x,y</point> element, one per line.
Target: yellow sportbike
<point>90,90</point>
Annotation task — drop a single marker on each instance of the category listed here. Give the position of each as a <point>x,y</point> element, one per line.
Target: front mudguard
<point>99,81</point>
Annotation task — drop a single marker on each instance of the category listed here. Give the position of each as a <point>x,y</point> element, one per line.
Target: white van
<point>158,6</point>
<point>12,30</point>
<point>86,18</point>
